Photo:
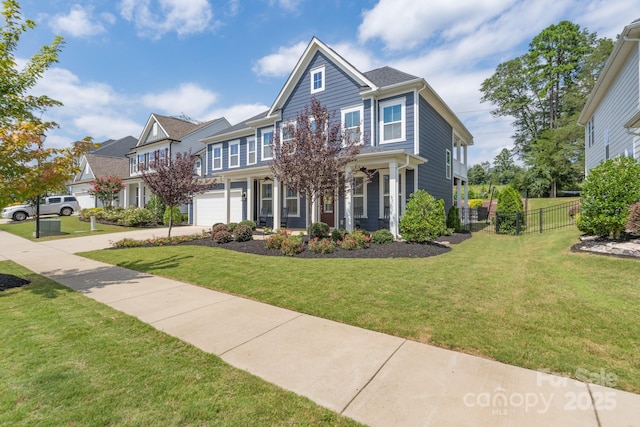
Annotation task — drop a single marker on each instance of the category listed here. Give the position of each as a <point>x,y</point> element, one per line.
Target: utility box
<point>49,227</point>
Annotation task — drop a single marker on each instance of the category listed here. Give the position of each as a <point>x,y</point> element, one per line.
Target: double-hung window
<point>392,121</point>
<point>140,162</point>
<point>267,148</point>
<point>234,154</point>
<point>286,137</point>
<point>216,157</point>
<point>251,151</point>
<point>317,80</point>
<point>352,124</point>
<point>292,202</point>
<point>358,197</point>
<point>266,197</point>
<point>448,164</point>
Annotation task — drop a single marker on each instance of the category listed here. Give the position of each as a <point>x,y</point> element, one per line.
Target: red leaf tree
<point>106,189</point>
<point>313,152</point>
<point>174,181</point>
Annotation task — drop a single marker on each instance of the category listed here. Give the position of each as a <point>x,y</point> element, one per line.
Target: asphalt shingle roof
<point>102,166</point>
<point>387,76</point>
<point>116,148</point>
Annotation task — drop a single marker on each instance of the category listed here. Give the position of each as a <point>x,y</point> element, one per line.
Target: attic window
<point>317,79</point>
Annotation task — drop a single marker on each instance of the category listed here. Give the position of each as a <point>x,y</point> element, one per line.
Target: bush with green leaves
<point>608,191</point>
<point>355,240</point>
<point>249,223</point>
<point>338,234</point>
<point>242,233</point>
<point>424,218</point>
<point>382,236</point>
<point>232,226</point>
<point>176,216</point>
<point>135,217</point>
<point>475,203</point>
<point>633,221</point>
<point>322,246</point>
<point>274,241</point>
<point>510,218</point>
<point>157,208</point>
<point>222,237</point>
<point>87,213</point>
<point>291,245</point>
<point>453,219</point>
<point>219,227</point>
<point>319,230</point>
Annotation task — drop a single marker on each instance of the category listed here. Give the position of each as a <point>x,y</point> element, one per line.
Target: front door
<point>326,210</point>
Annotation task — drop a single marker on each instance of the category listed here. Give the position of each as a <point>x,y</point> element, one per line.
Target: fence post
<point>541,220</point>
<point>518,223</point>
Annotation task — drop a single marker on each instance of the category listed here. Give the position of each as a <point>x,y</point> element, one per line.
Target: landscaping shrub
<point>382,236</point>
<point>132,217</point>
<point>248,223</point>
<point>232,226</point>
<point>156,241</point>
<point>219,227</point>
<point>115,215</point>
<point>633,221</point>
<point>355,240</point>
<point>424,218</point>
<point>322,246</point>
<point>509,212</point>
<point>608,191</point>
<point>291,245</point>
<point>274,241</point>
<point>320,230</point>
<point>338,234</point>
<point>475,203</point>
<point>86,214</point>
<point>222,236</point>
<point>175,214</point>
<point>453,219</point>
<point>243,233</point>
<point>157,208</point>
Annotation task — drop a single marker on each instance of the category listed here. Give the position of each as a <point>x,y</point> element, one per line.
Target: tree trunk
<point>170,220</point>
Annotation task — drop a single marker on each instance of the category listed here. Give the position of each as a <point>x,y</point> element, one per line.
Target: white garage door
<point>209,208</point>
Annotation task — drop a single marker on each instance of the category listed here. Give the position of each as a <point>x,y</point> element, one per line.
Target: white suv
<point>56,205</point>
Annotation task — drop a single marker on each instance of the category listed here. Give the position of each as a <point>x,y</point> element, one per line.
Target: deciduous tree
<point>106,189</point>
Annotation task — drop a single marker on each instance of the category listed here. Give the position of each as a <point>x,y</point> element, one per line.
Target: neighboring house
<point>161,138</point>
<point>108,159</point>
<point>412,140</point>
<point>611,115</point>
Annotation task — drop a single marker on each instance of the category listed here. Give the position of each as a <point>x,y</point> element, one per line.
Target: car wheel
<point>19,216</point>
<point>66,211</point>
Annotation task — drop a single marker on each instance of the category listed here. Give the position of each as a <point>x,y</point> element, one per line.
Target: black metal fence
<point>515,223</point>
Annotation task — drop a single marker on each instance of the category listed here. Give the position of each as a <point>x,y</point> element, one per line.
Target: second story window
<point>234,154</point>
<point>392,121</point>
<point>267,149</point>
<point>352,124</point>
<point>251,151</point>
<point>317,80</point>
<point>216,157</point>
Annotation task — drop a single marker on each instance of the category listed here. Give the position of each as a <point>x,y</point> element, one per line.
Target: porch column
<point>249,194</point>
<point>393,199</point>
<point>348,209</point>
<point>276,203</point>
<point>459,197</point>
<point>314,211</point>
<point>466,203</point>
<point>140,196</point>
<point>227,200</point>
<point>125,197</point>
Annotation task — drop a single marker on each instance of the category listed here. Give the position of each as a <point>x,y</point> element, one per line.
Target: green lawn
<point>68,360</point>
<point>526,301</point>
<point>71,226</point>
<point>545,202</point>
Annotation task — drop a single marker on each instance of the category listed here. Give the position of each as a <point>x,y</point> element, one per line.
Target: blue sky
<point>124,59</point>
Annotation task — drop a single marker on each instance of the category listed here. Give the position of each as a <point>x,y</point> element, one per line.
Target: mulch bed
<point>388,250</point>
<point>8,281</point>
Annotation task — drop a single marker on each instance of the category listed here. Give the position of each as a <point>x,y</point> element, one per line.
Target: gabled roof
<point>116,148</point>
<point>173,128</point>
<point>102,166</point>
<point>621,50</point>
<point>317,46</point>
<point>387,76</point>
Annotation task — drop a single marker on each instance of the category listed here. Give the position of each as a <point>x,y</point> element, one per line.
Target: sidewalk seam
<point>262,334</point>
<point>375,374</point>
<point>231,297</point>
<point>593,405</point>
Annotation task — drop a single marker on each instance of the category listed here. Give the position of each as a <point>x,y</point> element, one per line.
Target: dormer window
<point>317,80</point>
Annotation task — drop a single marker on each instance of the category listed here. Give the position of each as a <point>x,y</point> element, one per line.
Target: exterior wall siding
<point>407,144</point>
<point>435,139</point>
<point>617,106</point>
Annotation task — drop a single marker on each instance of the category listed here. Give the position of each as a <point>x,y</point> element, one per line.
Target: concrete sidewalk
<point>374,378</point>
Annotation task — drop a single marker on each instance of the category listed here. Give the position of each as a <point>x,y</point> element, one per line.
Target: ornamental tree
<point>106,189</point>
<point>313,153</point>
<point>174,181</point>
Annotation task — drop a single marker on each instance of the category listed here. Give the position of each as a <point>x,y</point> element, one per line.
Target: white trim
<point>403,119</point>
<point>364,194</point>
<point>255,151</point>
<point>416,122</point>
<point>214,157</point>
<point>345,111</point>
<point>261,199</point>
<point>296,198</point>
<point>262,145</point>
<point>448,163</point>
<point>323,80</point>
<point>237,155</point>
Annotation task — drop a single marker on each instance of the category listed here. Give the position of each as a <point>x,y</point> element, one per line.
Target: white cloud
<point>79,22</point>
<point>109,125</point>
<point>360,58</point>
<point>280,63</point>
<point>188,98</point>
<point>153,19</point>
<point>288,5</point>
<point>605,17</point>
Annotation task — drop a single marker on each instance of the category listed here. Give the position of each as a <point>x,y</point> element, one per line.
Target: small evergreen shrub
<point>175,215</point>
<point>291,245</point>
<point>319,230</point>
<point>243,233</point>
<point>157,208</point>
<point>382,236</point>
<point>249,223</point>
<point>322,246</point>
<point>135,217</point>
<point>337,235</point>
<point>453,219</point>
<point>510,217</point>
<point>274,241</point>
<point>222,236</point>
<point>424,218</point>
<point>232,226</point>
<point>355,240</point>
<point>633,221</point>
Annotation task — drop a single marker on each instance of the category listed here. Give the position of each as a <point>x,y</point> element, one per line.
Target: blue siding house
<point>411,139</point>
